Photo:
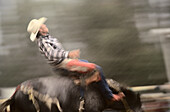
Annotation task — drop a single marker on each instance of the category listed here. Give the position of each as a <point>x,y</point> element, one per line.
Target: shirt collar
<point>45,37</point>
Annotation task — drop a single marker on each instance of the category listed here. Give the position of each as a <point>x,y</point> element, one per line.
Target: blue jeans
<point>103,86</point>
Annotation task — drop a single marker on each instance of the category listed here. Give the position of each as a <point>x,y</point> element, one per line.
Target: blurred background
<point>128,38</point>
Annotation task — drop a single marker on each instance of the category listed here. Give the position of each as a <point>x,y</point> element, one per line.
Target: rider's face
<point>43,30</point>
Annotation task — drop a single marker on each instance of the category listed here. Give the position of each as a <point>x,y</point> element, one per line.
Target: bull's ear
<point>138,94</point>
<point>139,98</point>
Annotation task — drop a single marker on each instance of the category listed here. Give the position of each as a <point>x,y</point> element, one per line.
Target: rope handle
<point>127,107</point>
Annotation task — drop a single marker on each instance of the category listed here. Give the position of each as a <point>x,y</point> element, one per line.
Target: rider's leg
<point>103,86</point>
<point>90,66</point>
<point>84,67</point>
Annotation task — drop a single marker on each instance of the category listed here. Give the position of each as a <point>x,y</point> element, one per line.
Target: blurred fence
<point>155,98</point>
<point>6,92</point>
<point>156,102</point>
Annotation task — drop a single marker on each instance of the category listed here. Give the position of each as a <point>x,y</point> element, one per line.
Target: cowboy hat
<point>34,26</point>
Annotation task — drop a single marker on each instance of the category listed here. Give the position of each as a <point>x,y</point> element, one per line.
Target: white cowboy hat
<point>34,26</point>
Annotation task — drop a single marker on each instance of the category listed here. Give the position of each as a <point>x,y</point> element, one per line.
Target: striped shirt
<point>52,49</point>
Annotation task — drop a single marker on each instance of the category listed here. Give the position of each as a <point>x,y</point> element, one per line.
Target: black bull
<point>68,94</point>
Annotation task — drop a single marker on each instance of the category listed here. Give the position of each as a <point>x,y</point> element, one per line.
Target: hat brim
<point>41,21</point>
<point>33,36</point>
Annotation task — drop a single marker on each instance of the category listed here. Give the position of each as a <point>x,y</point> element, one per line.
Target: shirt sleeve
<point>54,53</point>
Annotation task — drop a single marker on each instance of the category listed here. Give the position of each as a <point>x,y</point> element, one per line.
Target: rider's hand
<point>74,54</point>
<point>119,96</point>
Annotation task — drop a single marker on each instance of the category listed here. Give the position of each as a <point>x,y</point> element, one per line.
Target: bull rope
<point>28,90</point>
<point>81,107</point>
<point>128,109</point>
